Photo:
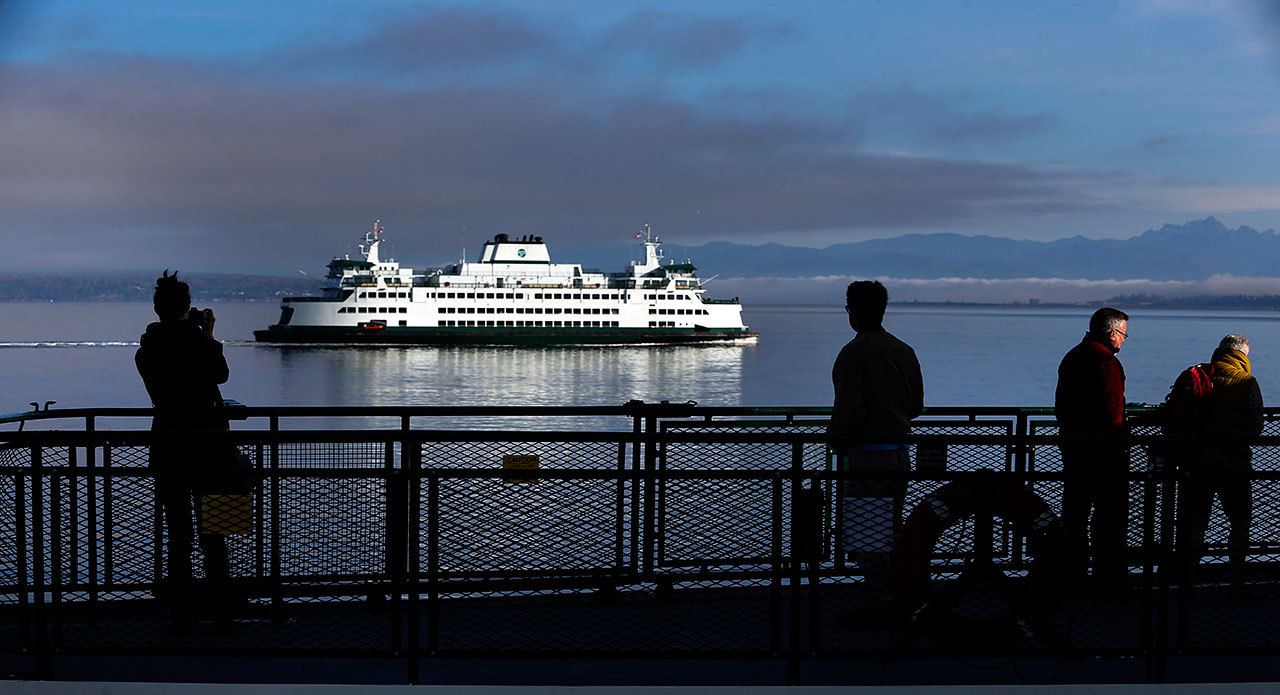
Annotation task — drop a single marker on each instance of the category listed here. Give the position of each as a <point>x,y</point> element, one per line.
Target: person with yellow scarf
<point>1232,409</point>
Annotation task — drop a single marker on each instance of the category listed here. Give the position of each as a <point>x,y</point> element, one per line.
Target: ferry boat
<point>513,295</point>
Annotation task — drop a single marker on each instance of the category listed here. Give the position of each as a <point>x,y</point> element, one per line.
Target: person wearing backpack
<point>1089,401</point>
<point>1232,408</point>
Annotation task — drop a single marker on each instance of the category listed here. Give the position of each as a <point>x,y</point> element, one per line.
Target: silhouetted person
<point>182,365</point>
<point>1233,408</point>
<point>878,391</point>
<point>1090,401</point>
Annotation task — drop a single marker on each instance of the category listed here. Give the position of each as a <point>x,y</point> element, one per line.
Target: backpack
<point>1186,397</point>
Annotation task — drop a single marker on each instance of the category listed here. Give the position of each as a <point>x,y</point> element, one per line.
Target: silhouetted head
<point>1110,326</point>
<point>865,302</point>
<point>172,298</point>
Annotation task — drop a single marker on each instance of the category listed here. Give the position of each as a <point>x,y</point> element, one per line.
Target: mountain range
<point>1175,253</point>
<point>1192,251</point>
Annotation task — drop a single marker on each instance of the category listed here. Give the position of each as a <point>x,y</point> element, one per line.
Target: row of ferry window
<point>373,310</point>
<point>521,310</point>
<point>520,295</point>
<point>535,324</point>
<point>681,312</point>
<point>662,324</point>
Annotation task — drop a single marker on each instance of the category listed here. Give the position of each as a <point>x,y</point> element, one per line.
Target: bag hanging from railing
<point>226,505</point>
<point>226,515</point>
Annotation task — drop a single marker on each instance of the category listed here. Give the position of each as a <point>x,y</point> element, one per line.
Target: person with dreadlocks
<point>181,364</point>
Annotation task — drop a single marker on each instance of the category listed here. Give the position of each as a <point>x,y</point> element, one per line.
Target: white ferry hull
<point>403,335</point>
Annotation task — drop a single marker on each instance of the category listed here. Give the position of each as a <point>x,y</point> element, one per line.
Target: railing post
<point>44,659</point>
<point>1155,663</point>
<point>91,502</point>
<point>620,514</point>
<point>1167,509</point>
<point>411,472</point>
<point>55,561</point>
<point>433,562</point>
<point>395,553</point>
<point>650,495</point>
<point>776,562</point>
<point>815,571</point>
<point>260,517</point>
<point>277,588</point>
<point>24,561</point>
<point>73,515</point>
<point>1020,466</point>
<point>108,507</point>
<point>637,425</point>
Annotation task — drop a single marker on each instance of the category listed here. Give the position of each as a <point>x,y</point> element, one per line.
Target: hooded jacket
<point>1232,409</point>
<point>181,369</point>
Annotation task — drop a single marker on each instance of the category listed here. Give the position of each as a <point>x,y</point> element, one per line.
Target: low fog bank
<point>830,289</point>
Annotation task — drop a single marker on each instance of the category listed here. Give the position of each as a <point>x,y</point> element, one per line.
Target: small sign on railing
<point>931,456</point>
<point>519,462</point>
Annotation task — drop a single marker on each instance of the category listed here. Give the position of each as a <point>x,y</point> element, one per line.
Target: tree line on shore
<point>137,287</point>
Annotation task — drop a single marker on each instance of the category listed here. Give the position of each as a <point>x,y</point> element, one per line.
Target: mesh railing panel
<point>332,526</point>
<point>488,526</point>
<point>716,522</point>
<point>11,517</point>
<point>12,614</point>
<point>131,536</point>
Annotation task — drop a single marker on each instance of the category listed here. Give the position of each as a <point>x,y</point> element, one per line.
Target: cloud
<point>684,41</point>
<point>1198,8</point>
<point>990,127</point>
<point>1219,199</point>
<point>941,120</point>
<point>439,39</point>
<point>1158,144</point>
<point>289,170</point>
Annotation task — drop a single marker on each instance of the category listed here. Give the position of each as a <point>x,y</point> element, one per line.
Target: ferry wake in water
<point>513,295</point>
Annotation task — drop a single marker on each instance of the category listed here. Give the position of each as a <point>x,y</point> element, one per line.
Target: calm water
<point>82,355</point>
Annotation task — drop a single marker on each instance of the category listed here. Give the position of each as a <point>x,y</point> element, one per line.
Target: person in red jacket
<point>1090,401</point>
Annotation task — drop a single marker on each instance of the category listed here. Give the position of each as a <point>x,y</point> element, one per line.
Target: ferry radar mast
<point>652,251</point>
<point>372,239</point>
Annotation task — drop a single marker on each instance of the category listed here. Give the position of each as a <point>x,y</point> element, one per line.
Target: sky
<point>261,137</point>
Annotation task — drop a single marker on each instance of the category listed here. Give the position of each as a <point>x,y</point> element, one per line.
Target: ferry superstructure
<point>513,295</point>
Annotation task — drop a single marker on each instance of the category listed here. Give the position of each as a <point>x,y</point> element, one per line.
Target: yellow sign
<point>519,462</point>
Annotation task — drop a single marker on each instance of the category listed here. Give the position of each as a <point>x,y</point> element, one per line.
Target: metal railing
<point>668,530</point>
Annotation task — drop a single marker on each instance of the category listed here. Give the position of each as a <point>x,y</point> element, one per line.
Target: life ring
<point>1038,596</point>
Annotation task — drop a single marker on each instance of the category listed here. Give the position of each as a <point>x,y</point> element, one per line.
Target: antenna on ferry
<point>464,246</point>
